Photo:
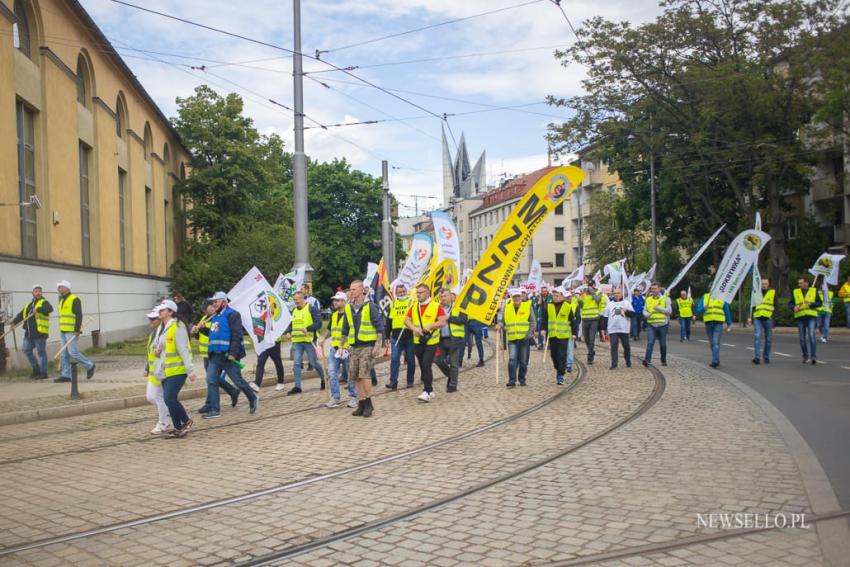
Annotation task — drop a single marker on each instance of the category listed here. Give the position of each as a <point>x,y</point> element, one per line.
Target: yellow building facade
<point>81,134</point>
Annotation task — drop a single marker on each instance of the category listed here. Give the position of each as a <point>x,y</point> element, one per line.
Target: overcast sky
<point>514,139</point>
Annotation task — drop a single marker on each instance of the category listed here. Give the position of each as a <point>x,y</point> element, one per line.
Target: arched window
<point>84,81</point>
<point>121,120</point>
<point>21,30</point>
<point>166,157</point>
<point>148,142</point>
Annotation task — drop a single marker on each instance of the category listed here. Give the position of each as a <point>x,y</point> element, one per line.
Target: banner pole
<point>498,354</point>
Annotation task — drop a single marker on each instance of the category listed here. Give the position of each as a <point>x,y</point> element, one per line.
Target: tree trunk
<point>777,254</point>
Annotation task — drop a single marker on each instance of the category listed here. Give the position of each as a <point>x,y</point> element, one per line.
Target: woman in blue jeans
<point>173,364</point>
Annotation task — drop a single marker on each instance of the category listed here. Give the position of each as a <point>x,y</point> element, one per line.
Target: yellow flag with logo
<point>482,294</point>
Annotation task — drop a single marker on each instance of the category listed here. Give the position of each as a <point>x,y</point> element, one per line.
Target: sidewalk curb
<point>833,535</point>
<point>98,406</point>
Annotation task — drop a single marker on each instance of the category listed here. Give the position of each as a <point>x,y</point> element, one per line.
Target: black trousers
<point>451,353</point>
<point>425,356</point>
<point>274,354</point>
<point>616,338</point>
<point>589,329</point>
<point>558,352</point>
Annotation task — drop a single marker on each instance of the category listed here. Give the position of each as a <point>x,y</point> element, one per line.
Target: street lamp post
<point>299,158</point>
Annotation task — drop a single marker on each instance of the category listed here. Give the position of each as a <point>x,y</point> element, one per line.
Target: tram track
<point>177,513</point>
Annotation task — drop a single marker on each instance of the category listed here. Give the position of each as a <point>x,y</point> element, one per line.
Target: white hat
<point>514,292</point>
<point>37,286</point>
<point>560,290</point>
<point>64,283</point>
<point>154,313</point>
<point>219,295</point>
<point>340,295</point>
<point>168,304</point>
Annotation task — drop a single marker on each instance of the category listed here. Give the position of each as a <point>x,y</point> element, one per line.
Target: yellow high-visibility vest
<point>766,307</point>
<point>398,311</point>
<point>559,323</point>
<point>151,360</point>
<point>67,319</point>
<point>589,307</point>
<point>809,298</point>
<point>366,333</point>
<point>173,361</point>
<point>686,307</point>
<point>428,318</point>
<point>301,319</point>
<point>517,320</point>
<point>42,321</point>
<point>336,330</point>
<point>713,309</point>
<point>656,318</point>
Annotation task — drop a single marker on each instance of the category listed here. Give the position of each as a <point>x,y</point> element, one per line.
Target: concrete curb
<point>834,535</point>
<point>98,406</point>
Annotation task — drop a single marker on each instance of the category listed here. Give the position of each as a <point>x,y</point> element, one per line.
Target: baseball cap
<point>37,286</point>
<point>514,292</point>
<point>168,304</point>
<point>64,283</point>
<point>339,295</point>
<point>560,290</point>
<point>154,313</point>
<point>218,295</point>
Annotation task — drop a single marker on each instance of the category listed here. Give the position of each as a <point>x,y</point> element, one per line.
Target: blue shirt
<point>638,303</point>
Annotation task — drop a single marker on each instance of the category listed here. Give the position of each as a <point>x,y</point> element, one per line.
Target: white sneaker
<point>332,403</point>
<point>823,340</point>
<point>254,386</point>
<point>280,387</point>
<point>352,402</point>
<point>159,429</point>
<point>425,397</point>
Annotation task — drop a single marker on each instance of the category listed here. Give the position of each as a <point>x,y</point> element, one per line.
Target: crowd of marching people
<point>417,332</point>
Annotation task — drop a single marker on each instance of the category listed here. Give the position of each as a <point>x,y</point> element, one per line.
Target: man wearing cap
<point>402,339</point>
<point>225,348</point>
<point>202,330</point>
<point>70,327</point>
<point>520,326</point>
<point>452,339</point>
<point>338,356</point>
<point>36,317</point>
<point>591,303</point>
<point>557,325</point>
<point>362,333</point>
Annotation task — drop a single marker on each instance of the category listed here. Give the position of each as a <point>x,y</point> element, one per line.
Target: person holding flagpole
<point>714,313</point>
<point>804,303</point>
<point>657,311</point>
<point>590,302</point>
<point>401,339</point>
<point>762,322</point>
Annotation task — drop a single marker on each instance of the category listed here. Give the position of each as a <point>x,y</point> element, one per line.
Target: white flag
<point>615,272</point>
<point>736,264</point>
<point>448,243</point>
<point>576,276</point>
<point>692,261</point>
<point>827,266</point>
<point>417,259</point>
<point>262,310</point>
<point>286,285</point>
<point>535,276</point>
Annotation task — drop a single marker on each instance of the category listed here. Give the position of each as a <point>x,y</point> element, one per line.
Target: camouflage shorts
<point>360,363</point>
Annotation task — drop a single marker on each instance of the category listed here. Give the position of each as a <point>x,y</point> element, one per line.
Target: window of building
<point>85,205</point>
<point>559,260</point>
<point>559,233</point>
<point>26,177</point>
<point>120,117</point>
<point>21,31</point>
<point>83,81</point>
<point>149,228</point>
<point>460,225</point>
<point>791,228</point>
<point>559,210</point>
<point>122,217</point>
<point>148,142</point>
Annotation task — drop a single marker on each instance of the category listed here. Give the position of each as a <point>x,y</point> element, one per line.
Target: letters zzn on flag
<point>481,297</point>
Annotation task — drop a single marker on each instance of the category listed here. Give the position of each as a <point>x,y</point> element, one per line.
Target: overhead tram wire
<point>428,27</point>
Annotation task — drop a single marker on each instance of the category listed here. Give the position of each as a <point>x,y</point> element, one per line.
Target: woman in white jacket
<point>173,364</point>
<point>154,390</point>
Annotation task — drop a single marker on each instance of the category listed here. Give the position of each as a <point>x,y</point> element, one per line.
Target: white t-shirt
<point>618,315</point>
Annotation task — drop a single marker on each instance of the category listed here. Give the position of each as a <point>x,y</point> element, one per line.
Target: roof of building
<point>513,188</point>
<point>110,52</point>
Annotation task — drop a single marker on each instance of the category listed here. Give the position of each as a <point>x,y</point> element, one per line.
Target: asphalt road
<point>816,399</point>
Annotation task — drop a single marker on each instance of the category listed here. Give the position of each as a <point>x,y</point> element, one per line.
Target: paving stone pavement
<point>702,448</point>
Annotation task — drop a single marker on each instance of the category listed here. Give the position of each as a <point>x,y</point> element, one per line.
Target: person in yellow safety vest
<point>590,305</point>
<point>715,312</point>
<point>154,393</point>
<point>70,329</point>
<point>825,314</point>
<point>685,306</point>
<point>338,356</point>
<point>556,325</point>
<point>452,340</point>
<point>517,318</point>
<point>306,322</point>
<point>363,333</point>
<point>424,320</point>
<point>656,313</point>
<point>401,339</point>
<point>603,320</point>
<point>804,303</point>
<point>844,294</point>
<point>36,318</point>
<point>762,322</point>
<point>202,331</point>
<point>173,364</point>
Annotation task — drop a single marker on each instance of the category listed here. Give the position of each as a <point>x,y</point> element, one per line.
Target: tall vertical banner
<point>535,276</point>
<point>263,312</point>
<point>481,297</point>
<point>448,242</point>
<point>417,259</point>
<point>736,264</point>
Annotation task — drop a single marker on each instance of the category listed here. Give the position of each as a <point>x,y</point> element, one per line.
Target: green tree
<point>717,94</point>
<point>612,234</point>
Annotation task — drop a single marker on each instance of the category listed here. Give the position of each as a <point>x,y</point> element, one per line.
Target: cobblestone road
<point>702,448</point>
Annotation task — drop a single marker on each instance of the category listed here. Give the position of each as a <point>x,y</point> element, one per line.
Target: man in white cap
<point>541,306</point>
<point>70,328</point>
<point>36,317</point>
<point>338,357</point>
<point>520,326</point>
<point>557,324</point>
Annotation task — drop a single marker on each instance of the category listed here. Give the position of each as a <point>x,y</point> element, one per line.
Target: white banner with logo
<point>417,259</point>
<point>736,264</point>
<point>263,312</point>
<point>448,242</point>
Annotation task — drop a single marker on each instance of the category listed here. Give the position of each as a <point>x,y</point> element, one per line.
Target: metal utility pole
<point>654,243</point>
<point>386,223</point>
<point>580,223</point>
<point>299,159</point>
